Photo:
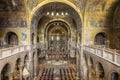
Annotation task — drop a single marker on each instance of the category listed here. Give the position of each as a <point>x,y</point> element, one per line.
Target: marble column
<point>31,64</point>
<point>77,65</point>
<point>35,64</point>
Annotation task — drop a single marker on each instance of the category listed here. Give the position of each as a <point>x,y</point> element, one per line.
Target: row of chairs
<point>47,74</point>
<point>67,74</point>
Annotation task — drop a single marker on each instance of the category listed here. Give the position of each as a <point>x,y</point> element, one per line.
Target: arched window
<point>11,38</point>
<point>26,62</point>
<point>18,64</point>
<point>114,76</point>
<point>100,39</point>
<point>100,71</point>
<point>17,69</point>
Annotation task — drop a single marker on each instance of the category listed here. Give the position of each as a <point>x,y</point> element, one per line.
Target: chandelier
<point>57,14</point>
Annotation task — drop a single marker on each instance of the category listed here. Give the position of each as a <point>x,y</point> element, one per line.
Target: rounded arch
<point>68,27</point>
<point>18,64</point>
<point>36,9</point>
<point>26,58</point>
<point>100,71</point>
<point>114,76</point>
<point>11,38</point>
<point>57,26</point>
<point>5,72</point>
<point>101,39</point>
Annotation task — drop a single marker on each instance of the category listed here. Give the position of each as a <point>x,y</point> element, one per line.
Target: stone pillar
<point>31,68</point>
<point>35,64</point>
<point>81,62</point>
<point>31,64</point>
<point>77,65</point>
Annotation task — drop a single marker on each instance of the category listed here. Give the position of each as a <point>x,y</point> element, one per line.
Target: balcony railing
<point>12,51</point>
<point>108,54</point>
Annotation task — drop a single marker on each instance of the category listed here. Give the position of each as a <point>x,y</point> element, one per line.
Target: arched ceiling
<point>57,25</point>
<point>78,3</point>
<point>57,10</point>
<point>57,29</point>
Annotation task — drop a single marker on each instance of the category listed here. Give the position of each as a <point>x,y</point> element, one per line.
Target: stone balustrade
<point>108,54</point>
<point>6,52</point>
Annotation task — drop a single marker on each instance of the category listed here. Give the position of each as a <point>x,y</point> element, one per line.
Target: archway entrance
<point>11,39</point>
<point>57,37</point>
<point>6,71</point>
<point>57,27</point>
<point>100,74</point>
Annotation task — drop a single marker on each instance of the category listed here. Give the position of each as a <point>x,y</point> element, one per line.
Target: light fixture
<point>58,38</point>
<point>57,23</point>
<point>62,14</point>
<point>48,13</point>
<point>52,38</point>
<point>57,14</point>
<point>66,13</point>
<point>52,14</point>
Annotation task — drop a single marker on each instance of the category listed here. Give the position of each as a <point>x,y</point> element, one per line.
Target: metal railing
<point>108,54</point>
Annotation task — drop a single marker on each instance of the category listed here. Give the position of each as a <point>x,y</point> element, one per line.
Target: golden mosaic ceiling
<point>103,11</point>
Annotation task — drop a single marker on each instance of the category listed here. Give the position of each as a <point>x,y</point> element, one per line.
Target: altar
<point>57,63</point>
